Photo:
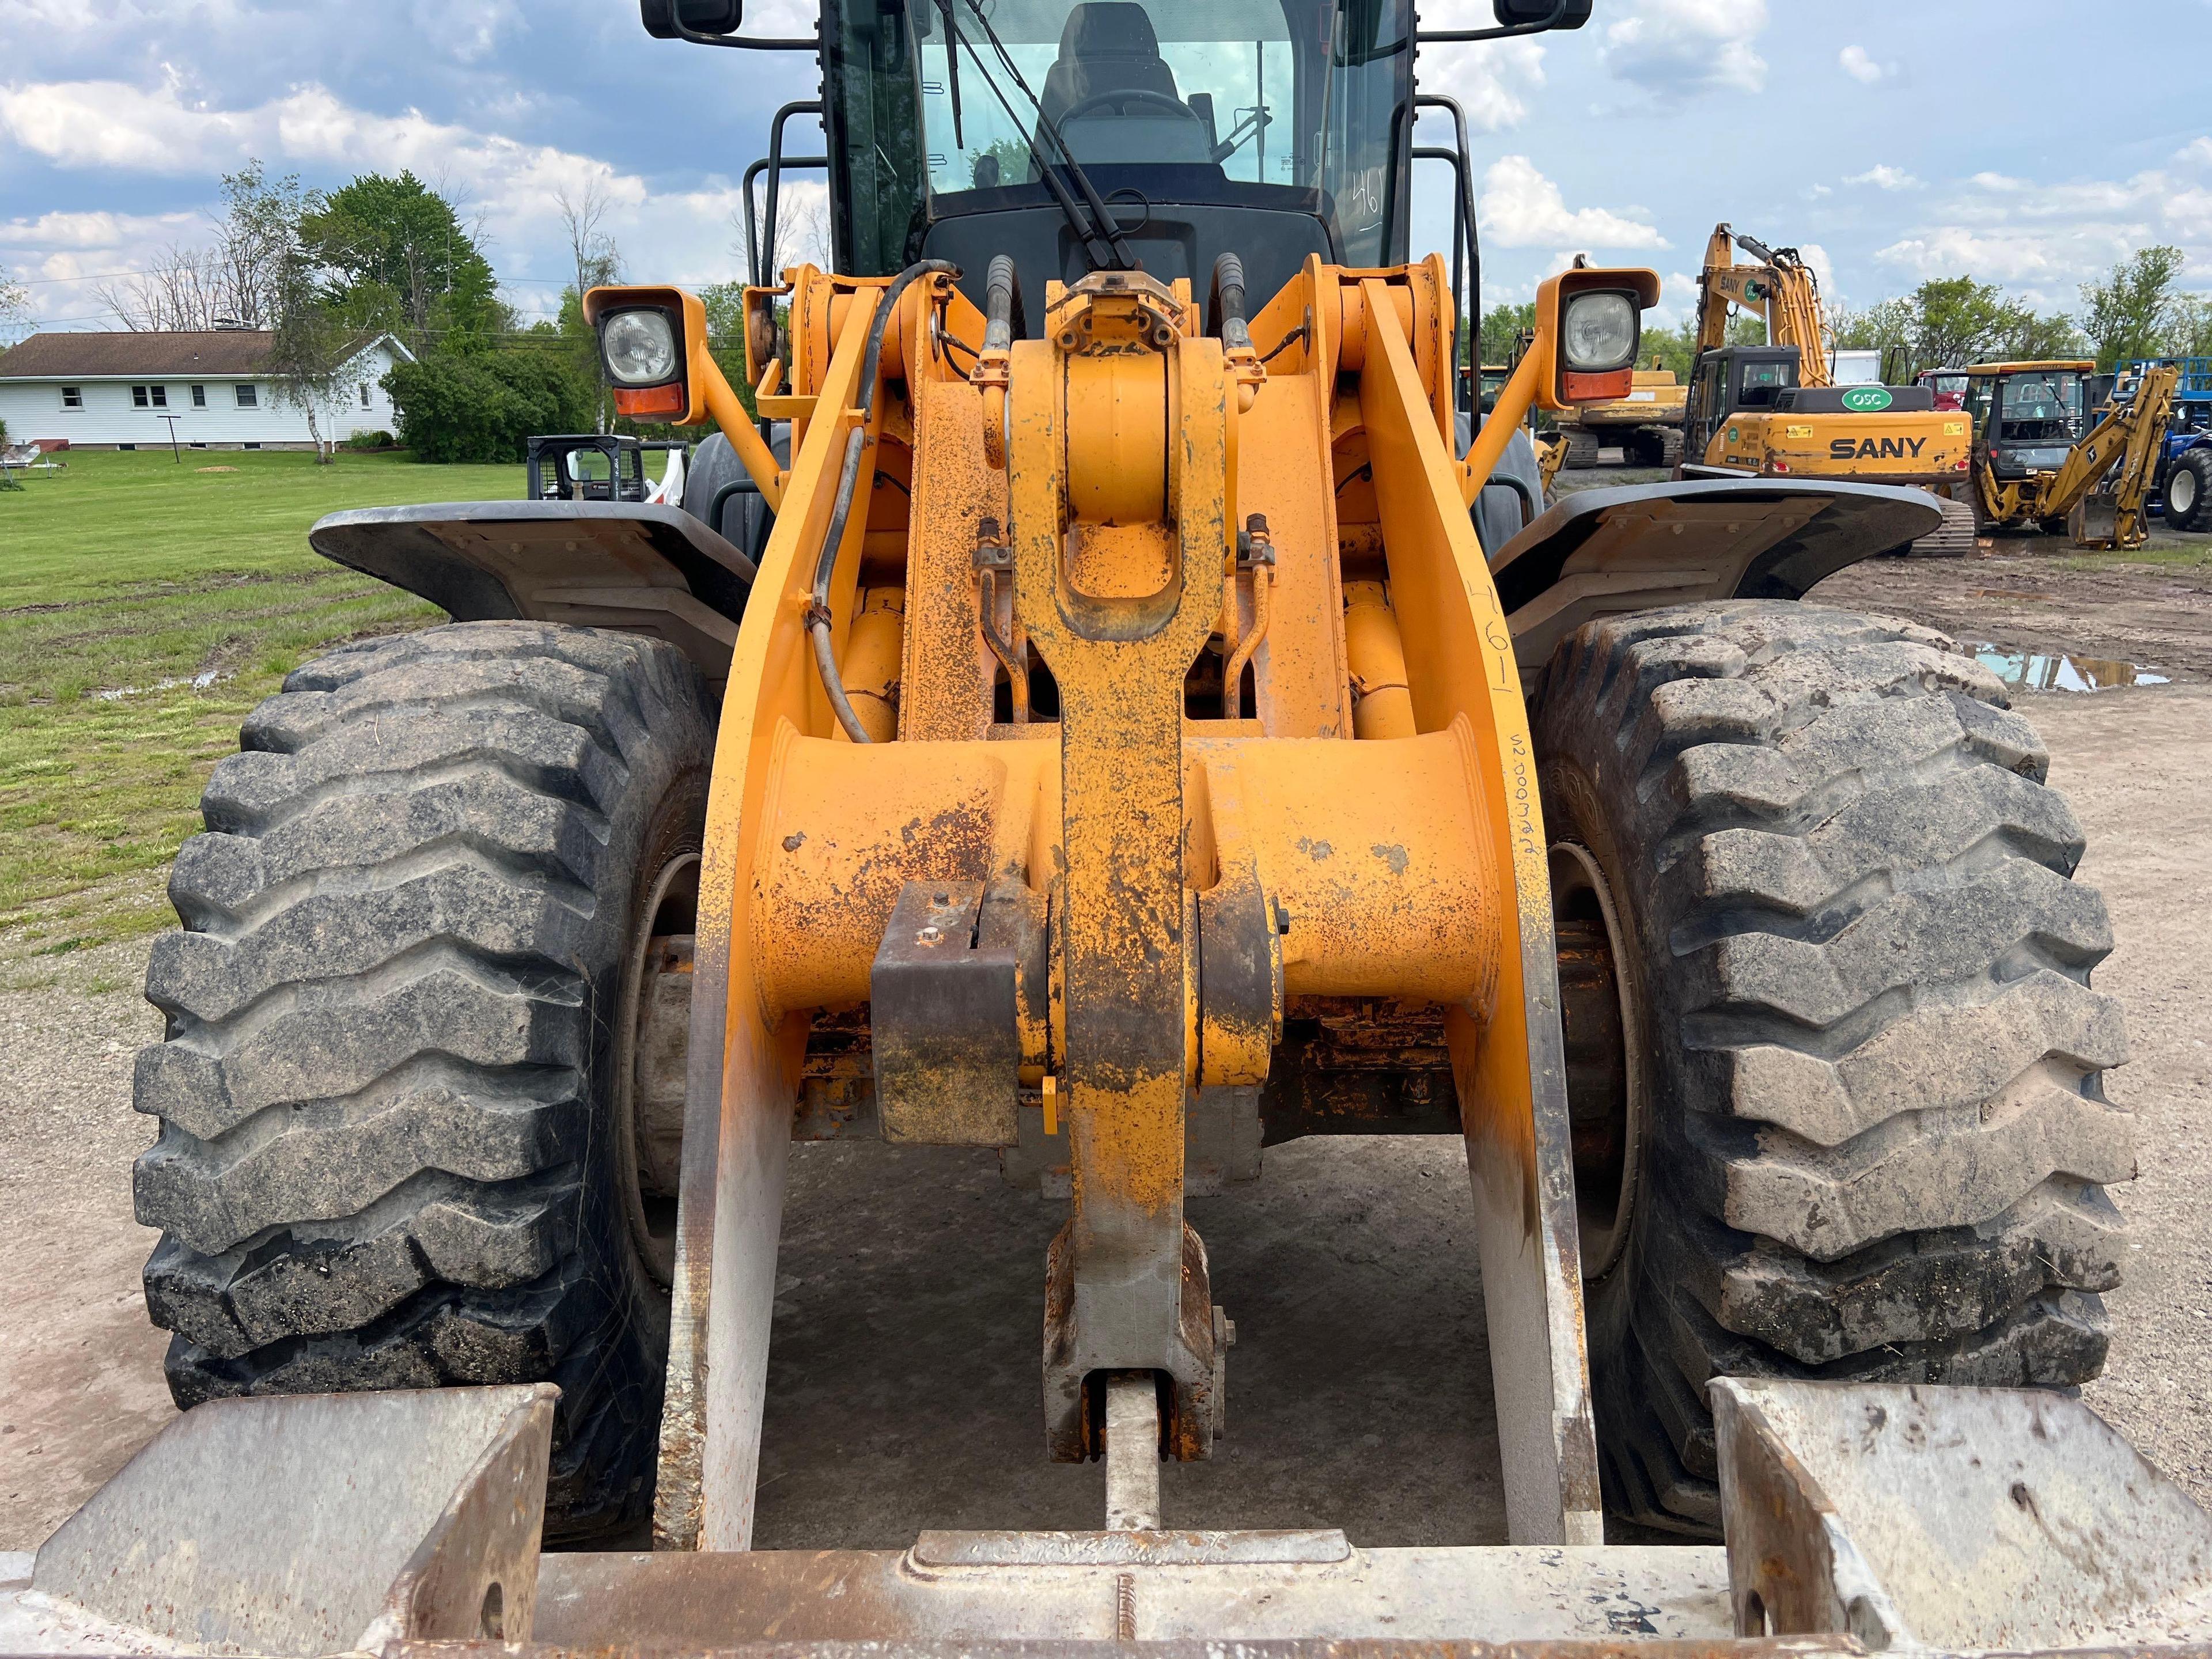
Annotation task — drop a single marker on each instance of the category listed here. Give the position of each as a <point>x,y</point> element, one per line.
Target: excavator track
<point>1953,539</point>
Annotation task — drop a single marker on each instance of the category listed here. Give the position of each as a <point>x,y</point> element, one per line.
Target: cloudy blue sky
<point>2027,142</point>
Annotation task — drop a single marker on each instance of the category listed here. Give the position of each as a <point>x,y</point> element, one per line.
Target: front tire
<point>1856,1128</point>
<point>400,1138</point>
<point>2188,499</point>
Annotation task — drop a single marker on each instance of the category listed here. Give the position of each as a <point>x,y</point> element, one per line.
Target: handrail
<point>776,162</point>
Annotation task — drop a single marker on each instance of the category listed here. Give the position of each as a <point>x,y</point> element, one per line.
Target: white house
<point>118,391</point>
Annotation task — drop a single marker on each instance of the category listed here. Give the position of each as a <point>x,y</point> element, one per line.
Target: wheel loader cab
<point>1262,126</point>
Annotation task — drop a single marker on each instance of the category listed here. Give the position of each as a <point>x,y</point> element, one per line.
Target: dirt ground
<point>904,1385</point>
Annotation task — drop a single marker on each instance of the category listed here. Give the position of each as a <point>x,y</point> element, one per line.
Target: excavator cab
<point>1731,381</point>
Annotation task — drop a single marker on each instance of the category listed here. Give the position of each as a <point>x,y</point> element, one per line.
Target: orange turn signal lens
<point>1596,388</point>
<point>643,401</point>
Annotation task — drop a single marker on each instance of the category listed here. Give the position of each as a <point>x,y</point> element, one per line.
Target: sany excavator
<point>1774,411</point>
<point>2043,459</point>
<point>1123,754</point>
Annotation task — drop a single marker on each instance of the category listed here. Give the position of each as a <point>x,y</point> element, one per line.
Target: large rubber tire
<point>2188,499</point>
<point>389,1154</point>
<point>1867,1138</point>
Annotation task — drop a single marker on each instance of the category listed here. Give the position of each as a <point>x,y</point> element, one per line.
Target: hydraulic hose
<point>1002,298</point>
<point>1229,289</point>
<point>818,611</point>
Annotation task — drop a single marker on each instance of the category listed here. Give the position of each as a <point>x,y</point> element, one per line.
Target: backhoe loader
<point>2042,460</point>
<point>1123,752</point>
<point>1775,411</point>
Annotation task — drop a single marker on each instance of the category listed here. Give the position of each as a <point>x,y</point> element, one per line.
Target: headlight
<point>1599,333</point>
<point>640,349</point>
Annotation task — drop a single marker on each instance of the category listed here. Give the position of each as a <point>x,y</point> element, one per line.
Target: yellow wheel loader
<point>1775,411</point>
<point>1116,744</point>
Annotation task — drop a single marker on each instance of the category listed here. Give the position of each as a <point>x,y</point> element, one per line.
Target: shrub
<point>485,407</point>
<point>367,443</point>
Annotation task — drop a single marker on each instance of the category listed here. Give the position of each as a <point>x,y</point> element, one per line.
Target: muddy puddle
<point>2047,671</point>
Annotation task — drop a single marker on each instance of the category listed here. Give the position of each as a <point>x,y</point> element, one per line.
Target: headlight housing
<point>1599,333</point>
<point>640,349</point>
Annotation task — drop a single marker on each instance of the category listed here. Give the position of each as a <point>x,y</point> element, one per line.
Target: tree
<point>233,281</point>
<point>308,348</point>
<point>1877,328</point>
<point>2191,333</point>
<point>1502,325</point>
<point>598,262</point>
<point>2130,314</point>
<point>484,406</point>
<point>399,259</point>
<point>1957,321</point>
<point>15,299</point>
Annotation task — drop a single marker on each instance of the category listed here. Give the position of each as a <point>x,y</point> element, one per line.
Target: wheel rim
<point>2181,494</point>
<point>1599,1011</point>
<point>652,1032</point>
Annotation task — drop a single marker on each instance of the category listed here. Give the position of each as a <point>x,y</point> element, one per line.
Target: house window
<point>72,396</point>
<point>364,394</point>
<point>249,396</point>
<point>138,397</point>
<point>161,396</point>
<point>199,397</point>
<point>249,445</point>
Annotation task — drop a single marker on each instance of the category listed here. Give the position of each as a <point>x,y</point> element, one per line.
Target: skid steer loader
<point>1117,745</point>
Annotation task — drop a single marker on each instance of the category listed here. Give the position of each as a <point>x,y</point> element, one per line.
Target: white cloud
<point>1492,82</point>
<point>2008,256</point>
<point>95,230</point>
<point>2197,152</point>
<point>1676,49</point>
<point>109,124</point>
<point>1824,268</point>
<point>1861,68</point>
<point>466,31</point>
<point>1885,177</point>
<point>112,127</point>
<point>1521,208</point>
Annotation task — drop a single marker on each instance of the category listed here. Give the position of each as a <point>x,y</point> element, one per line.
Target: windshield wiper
<point>952,69</point>
<point>1103,243</point>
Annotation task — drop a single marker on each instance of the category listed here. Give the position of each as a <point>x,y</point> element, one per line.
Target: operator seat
<point>1106,45</point>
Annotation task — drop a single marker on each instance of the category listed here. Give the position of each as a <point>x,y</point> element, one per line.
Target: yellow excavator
<point>1773,411</point>
<point>1115,753</point>
<point>2040,463</point>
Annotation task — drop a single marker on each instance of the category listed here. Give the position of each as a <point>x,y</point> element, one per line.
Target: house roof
<point>94,355</point>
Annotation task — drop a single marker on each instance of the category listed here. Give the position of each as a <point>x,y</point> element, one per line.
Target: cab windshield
<point>2043,407</point>
<point>1167,101</point>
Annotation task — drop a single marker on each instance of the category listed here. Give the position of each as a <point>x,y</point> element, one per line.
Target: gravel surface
<point>903,1386</point>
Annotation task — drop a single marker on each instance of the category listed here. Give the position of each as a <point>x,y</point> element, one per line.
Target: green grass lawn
<point>145,606</point>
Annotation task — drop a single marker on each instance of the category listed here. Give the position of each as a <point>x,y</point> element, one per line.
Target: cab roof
<point>2076,365</point>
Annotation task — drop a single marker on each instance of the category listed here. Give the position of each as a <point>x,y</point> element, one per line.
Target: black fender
<point>646,569</point>
<point>1603,552</point>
